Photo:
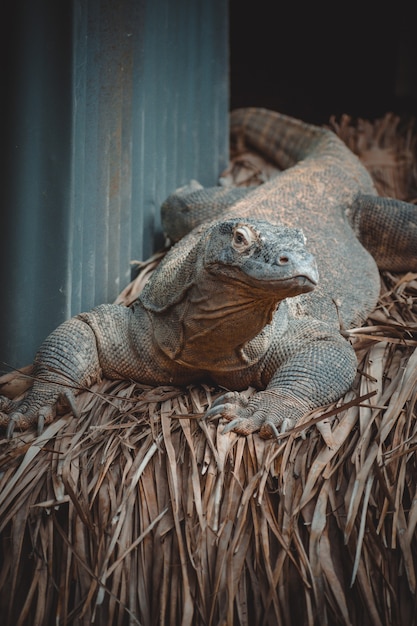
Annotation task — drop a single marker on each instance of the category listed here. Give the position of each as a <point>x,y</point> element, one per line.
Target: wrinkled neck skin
<point>226,323</point>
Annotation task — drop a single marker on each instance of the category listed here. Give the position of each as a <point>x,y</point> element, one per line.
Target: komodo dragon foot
<point>21,415</point>
<point>263,412</point>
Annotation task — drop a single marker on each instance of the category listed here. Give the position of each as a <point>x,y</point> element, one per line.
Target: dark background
<point>312,62</point>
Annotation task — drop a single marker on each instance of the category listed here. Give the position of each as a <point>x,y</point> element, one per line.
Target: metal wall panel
<point>115,104</point>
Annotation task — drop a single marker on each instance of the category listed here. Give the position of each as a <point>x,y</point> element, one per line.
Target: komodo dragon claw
<point>22,421</point>
<point>246,416</point>
<point>16,415</point>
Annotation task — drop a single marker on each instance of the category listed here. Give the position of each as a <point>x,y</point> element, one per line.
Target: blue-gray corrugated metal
<point>113,104</point>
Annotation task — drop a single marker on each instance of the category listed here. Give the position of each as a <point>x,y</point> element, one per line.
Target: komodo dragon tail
<point>282,139</point>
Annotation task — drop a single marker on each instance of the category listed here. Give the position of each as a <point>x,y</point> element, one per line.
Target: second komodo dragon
<point>255,295</point>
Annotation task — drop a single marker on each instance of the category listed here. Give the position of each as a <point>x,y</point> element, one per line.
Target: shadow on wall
<point>312,63</point>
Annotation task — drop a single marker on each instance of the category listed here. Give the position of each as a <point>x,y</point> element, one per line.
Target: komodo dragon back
<point>254,292</point>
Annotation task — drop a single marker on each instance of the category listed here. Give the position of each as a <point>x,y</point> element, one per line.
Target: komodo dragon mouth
<point>266,283</point>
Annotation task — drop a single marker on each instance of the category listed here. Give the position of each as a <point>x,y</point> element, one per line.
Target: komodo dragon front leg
<point>110,341</point>
<point>318,372</point>
<point>66,362</point>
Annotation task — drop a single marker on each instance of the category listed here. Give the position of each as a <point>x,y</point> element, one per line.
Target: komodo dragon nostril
<point>283,259</point>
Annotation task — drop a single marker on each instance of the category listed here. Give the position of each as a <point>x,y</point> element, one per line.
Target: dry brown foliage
<point>141,512</point>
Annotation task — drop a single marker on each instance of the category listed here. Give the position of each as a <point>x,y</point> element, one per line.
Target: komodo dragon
<point>238,300</point>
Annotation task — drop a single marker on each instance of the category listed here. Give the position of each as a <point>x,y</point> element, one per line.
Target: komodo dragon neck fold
<point>217,322</point>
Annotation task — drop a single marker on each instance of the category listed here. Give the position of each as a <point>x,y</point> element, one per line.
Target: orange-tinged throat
<point>220,317</point>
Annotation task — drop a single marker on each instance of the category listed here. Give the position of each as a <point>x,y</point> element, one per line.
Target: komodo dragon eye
<point>243,238</point>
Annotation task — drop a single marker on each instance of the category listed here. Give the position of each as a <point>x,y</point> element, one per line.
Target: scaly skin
<point>236,301</point>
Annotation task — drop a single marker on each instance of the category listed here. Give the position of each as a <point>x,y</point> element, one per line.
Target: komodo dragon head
<point>266,257</point>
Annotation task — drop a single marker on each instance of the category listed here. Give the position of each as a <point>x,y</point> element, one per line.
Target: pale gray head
<point>267,256</point>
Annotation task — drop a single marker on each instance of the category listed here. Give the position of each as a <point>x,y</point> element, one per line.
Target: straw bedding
<point>142,513</point>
